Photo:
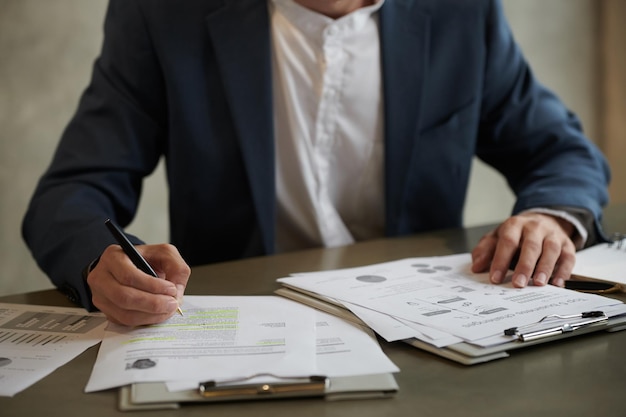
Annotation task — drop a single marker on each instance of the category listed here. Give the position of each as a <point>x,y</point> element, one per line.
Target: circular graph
<point>371,278</point>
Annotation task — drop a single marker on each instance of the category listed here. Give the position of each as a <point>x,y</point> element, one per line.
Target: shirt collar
<point>314,24</point>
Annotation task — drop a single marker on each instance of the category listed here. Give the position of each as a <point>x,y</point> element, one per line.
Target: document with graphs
<point>236,339</point>
<point>36,340</point>
<point>439,300</point>
<point>218,338</point>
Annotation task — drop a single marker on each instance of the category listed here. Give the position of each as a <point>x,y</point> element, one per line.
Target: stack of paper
<point>438,300</point>
<point>233,339</point>
<point>603,262</point>
<point>36,340</point>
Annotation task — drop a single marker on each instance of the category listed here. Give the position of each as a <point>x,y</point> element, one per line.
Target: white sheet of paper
<point>218,338</point>
<point>342,349</point>
<point>394,328</point>
<point>442,293</point>
<point>387,327</point>
<point>604,261</point>
<point>432,336</point>
<point>36,340</point>
<point>346,349</point>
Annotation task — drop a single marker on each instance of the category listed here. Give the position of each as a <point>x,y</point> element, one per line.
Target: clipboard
<point>464,353</point>
<point>156,396</point>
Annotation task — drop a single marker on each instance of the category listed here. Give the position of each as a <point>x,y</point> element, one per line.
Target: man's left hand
<point>541,243</point>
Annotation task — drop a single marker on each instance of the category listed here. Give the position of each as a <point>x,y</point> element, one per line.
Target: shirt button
<point>332,54</point>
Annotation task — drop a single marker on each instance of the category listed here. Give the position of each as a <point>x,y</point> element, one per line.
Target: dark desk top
<point>584,376</point>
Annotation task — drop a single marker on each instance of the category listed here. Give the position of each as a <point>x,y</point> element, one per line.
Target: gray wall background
<point>47,48</point>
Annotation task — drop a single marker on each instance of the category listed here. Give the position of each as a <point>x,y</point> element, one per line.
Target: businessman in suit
<point>288,124</point>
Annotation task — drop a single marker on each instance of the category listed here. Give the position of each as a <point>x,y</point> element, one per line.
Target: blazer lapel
<point>241,34</point>
<point>241,38</point>
<point>405,37</point>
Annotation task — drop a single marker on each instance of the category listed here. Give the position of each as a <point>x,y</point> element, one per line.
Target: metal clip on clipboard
<point>313,386</point>
<point>590,318</point>
<point>156,395</point>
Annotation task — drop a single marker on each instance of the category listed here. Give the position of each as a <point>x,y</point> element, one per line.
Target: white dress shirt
<point>329,126</point>
<point>328,118</point>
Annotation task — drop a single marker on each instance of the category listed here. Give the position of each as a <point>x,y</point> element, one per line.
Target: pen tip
<point>179,311</point>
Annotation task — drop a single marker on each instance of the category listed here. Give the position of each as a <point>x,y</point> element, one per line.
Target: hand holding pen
<point>123,283</point>
<point>129,249</point>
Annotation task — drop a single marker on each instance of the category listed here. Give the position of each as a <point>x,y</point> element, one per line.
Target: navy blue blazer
<point>191,81</point>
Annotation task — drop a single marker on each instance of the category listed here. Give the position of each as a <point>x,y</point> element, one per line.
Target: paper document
<point>604,262</point>
<point>345,349</point>
<point>442,294</point>
<point>218,338</point>
<point>342,349</point>
<point>35,340</point>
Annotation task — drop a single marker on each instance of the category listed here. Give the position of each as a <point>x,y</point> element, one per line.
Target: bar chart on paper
<point>35,340</point>
<point>45,329</point>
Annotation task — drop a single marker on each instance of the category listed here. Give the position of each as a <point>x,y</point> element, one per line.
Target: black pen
<point>131,252</point>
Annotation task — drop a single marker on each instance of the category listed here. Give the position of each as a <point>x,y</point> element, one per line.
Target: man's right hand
<point>130,297</point>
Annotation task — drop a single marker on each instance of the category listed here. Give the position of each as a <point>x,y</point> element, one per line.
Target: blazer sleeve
<point>114,140</point>
<point>531,137</point>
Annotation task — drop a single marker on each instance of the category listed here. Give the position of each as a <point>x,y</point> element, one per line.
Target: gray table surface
<point>584,376</point>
